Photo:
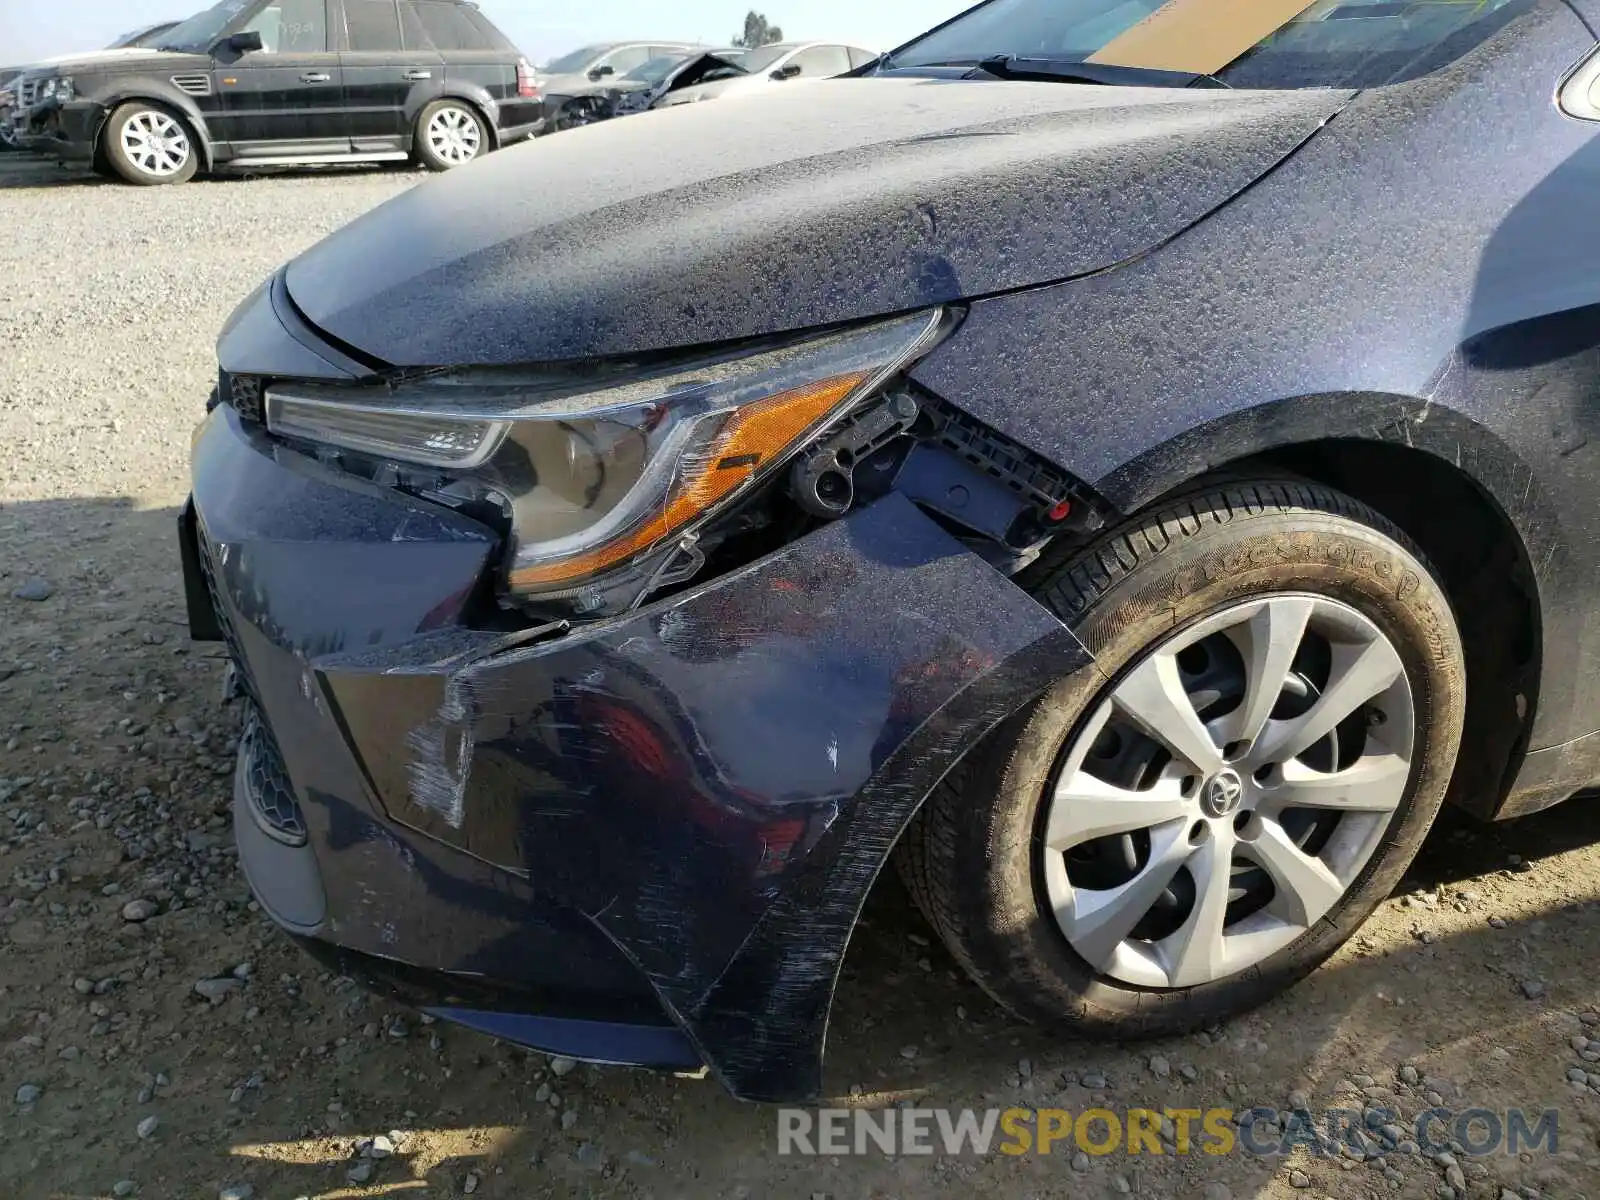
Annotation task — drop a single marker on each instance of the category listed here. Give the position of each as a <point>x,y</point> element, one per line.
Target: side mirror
<point>246,41</point>
<point>602,71</point>
<point>786,72</point>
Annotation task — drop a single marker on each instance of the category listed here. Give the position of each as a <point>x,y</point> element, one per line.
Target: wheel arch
<point>174,101</point>
<point>1459,491</point>
<point>474,98</point>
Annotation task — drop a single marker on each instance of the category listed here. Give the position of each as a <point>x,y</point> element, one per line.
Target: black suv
<point>279,82</point>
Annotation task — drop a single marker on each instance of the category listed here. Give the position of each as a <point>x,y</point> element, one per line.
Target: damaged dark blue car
<point>1127,465</point>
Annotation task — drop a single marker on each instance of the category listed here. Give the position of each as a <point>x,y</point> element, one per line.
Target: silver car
<point>578,87</point>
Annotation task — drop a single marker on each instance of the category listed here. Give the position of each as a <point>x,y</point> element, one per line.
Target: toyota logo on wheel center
<point>1222,793</point>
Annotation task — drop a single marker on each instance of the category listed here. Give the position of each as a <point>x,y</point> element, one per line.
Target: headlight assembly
<point>60,89</point>
<point>597,478</point>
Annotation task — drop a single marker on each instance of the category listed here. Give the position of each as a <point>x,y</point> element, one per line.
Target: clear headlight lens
<point>413,437</point>
<point>59,88</point>
<point>594,478</point>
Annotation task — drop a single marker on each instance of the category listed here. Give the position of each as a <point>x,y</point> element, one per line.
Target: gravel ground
<point>158,1039</point>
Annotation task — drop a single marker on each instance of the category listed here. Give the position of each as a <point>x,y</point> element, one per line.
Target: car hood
<point>799,208</point>
<point>129,56</point>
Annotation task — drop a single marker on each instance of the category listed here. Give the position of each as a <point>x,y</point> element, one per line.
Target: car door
<point>285,100</point>
<point>472,60</point>
<point>387,78</point>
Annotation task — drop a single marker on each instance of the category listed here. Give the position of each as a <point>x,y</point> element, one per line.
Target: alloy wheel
<point>1227,791</point>
<point>155,144</point>
<point>454,135</point>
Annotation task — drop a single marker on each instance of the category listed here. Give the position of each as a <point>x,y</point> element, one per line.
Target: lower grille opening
<point>268,791</point>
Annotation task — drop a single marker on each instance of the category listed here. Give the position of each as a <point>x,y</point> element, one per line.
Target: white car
<point>769,66</point>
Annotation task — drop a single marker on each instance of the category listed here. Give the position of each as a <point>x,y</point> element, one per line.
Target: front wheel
<point>147,144</point>
<point>1177,834</point>
<point>450,134</point>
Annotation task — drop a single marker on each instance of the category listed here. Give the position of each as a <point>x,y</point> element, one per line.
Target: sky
<point>31,29</point>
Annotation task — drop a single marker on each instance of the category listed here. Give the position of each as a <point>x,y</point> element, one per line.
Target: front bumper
<point>553,107</point>
<point>68,131</point>
<point>644,841</point>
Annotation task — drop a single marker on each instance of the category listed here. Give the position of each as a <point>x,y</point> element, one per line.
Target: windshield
<point>141,37</point>
<point>1327,43</point>
<point>760,60</point>
<point>200,32</point>
<point>654,70</point>
<point>571,64</point>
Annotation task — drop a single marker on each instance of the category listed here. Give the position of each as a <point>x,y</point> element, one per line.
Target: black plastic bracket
<point>822,482</point>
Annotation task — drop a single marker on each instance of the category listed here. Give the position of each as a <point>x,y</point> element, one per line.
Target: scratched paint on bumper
<point>684,808</point>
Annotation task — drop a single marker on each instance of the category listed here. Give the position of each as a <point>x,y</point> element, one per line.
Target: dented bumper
<point>645,840</point>
<point>67,130</point>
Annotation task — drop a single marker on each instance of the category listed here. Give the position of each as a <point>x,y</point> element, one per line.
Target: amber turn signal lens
<point>750,442</point>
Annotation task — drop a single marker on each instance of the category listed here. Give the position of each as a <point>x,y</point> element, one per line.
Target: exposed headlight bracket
<point>823,482</point>
<point>950,465</point>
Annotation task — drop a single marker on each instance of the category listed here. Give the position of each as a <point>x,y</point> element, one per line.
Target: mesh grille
<point>244,393</point>
<point>269,792</point>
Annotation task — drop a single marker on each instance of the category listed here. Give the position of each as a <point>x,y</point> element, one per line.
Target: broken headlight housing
<point>603,476</point>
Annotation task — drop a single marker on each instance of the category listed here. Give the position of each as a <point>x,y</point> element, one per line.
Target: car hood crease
<point>836,202</point>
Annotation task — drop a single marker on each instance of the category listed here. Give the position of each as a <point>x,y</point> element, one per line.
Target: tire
<point>149,145</point>
<point>450,134</point>
<point>976,858</point>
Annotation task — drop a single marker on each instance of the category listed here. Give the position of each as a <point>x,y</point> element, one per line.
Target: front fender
<point>164,93</point>
<point>1359,290</point>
